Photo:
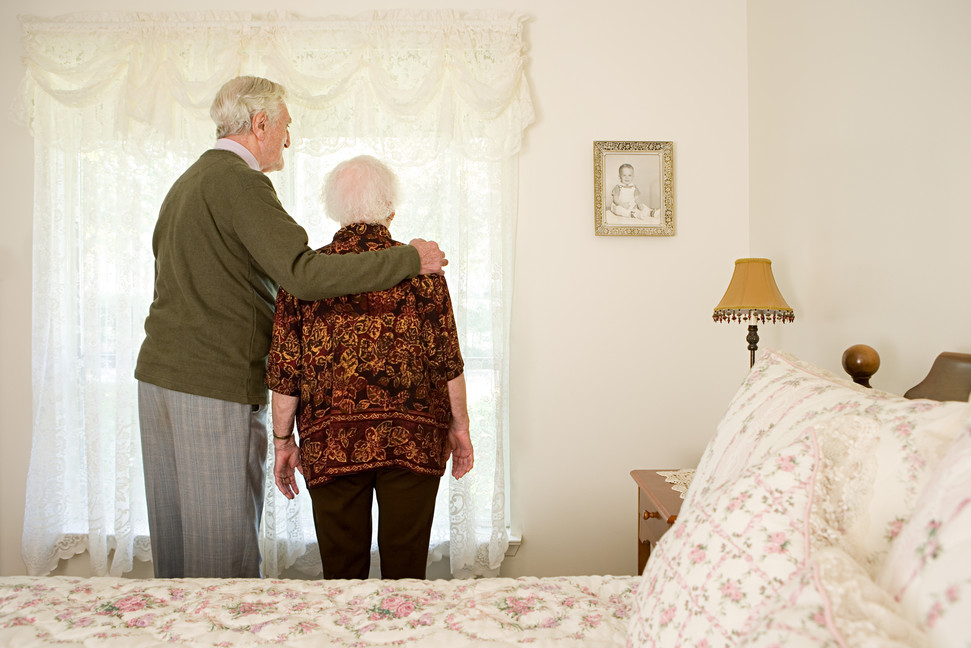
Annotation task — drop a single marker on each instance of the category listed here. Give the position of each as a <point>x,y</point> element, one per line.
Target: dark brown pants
<point>342,517</point>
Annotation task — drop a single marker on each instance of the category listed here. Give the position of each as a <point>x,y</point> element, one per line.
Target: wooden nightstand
<point>658,504</point>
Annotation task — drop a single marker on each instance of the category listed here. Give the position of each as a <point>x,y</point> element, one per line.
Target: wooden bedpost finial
<point>861,362</point>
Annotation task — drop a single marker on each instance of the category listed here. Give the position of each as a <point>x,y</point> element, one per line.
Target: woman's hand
<point>286,463</point>
<point>460,447</point>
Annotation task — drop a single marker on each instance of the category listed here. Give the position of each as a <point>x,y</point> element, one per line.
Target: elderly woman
<point>376,383</point>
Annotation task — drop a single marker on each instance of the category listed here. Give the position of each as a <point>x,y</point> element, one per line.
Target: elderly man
<point>223,244</point>
<point>378,381</point>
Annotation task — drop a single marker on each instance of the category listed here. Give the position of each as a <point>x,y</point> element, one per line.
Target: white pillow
<point>714,574</point>
<point>802,460</point>
<point>928,568</point>
<point>833,602</point>
<point>885,444</point>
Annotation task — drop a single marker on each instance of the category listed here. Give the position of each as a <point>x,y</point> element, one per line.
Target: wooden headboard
<point>948,380</point>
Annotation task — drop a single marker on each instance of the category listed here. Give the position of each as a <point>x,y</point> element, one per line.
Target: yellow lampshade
<point>753,295</point>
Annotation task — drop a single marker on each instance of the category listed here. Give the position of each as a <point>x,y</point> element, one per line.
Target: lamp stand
<point>753,343</point>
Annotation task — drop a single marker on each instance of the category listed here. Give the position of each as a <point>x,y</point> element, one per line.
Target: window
<point>118,106</point>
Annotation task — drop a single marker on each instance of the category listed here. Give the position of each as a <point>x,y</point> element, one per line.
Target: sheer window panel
<point>118,107</point>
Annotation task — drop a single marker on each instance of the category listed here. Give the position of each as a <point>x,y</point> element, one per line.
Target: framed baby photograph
<point>633,188</point>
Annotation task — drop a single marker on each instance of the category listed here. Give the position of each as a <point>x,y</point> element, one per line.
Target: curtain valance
<point>456,79</point>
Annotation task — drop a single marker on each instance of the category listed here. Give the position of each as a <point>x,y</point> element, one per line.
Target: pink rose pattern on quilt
<point>802,461</point>
<point>588,610</point>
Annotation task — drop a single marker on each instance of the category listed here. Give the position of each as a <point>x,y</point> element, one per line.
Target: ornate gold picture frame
<point>633,188</point>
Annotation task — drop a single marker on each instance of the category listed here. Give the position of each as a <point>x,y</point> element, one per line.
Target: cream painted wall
<point>616,364</point>
<point>860,138</point>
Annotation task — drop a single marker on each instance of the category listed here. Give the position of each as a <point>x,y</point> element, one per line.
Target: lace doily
<point>679,479</point>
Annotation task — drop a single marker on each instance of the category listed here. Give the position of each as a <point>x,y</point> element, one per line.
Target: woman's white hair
<point>360,190</point>
<point>240,99</point>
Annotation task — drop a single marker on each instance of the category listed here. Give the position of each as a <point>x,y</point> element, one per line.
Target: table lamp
<point>753,296</point>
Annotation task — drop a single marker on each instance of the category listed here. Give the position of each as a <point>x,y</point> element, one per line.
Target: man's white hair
<point>240,99</point>
<point>360,190</point>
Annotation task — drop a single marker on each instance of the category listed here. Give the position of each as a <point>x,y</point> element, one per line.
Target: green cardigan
<point>222,244</point>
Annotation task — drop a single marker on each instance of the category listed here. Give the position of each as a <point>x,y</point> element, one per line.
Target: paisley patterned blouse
<point>371,370</point>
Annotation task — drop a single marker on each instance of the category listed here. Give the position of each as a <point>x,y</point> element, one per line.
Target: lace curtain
<point>118,107</point>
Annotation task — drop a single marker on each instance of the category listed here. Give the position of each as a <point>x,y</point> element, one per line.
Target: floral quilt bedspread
<point>589,611</point>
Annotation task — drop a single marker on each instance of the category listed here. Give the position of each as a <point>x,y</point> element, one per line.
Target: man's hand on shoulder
<point>433,260</point>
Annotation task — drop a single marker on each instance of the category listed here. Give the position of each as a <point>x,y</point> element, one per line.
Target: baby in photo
<point>626,197</point>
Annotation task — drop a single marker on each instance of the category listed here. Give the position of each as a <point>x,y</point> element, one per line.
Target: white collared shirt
<point>227,144</point>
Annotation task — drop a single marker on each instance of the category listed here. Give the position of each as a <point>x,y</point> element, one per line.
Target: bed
<point>578,611</point>
<point>822,513</point>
